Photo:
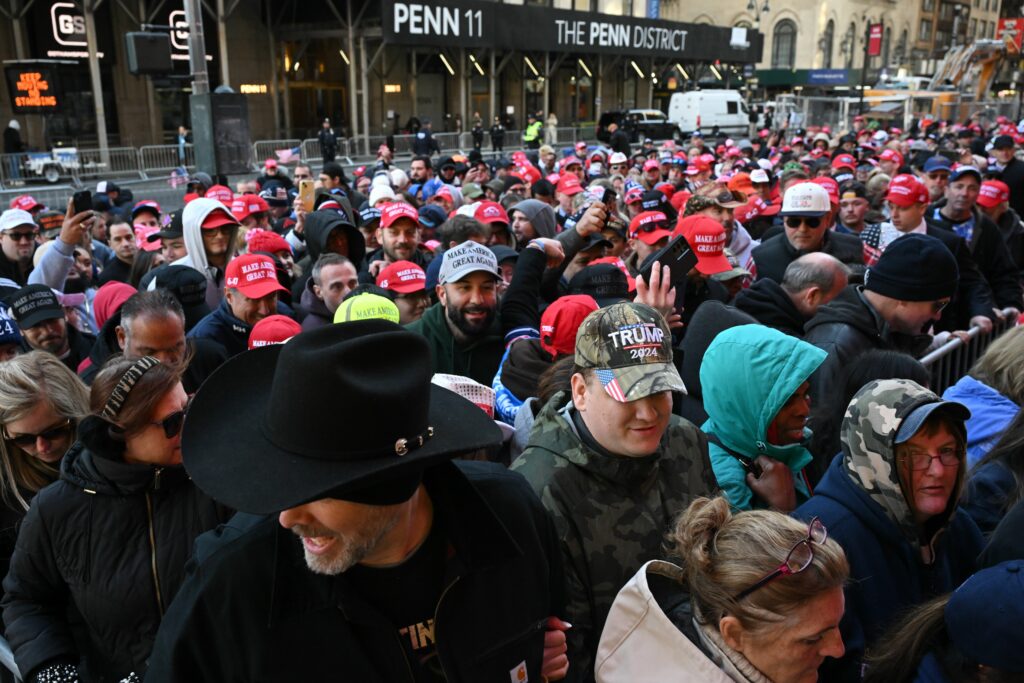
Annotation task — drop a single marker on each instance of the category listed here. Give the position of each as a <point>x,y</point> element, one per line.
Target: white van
<point>704,109</point>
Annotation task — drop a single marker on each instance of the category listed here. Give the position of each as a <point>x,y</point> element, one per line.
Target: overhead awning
<point>887,108</point>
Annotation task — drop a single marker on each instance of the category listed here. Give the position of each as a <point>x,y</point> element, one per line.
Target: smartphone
<point>677,255</point>
<point>82,201</point>
<point>306,194</point>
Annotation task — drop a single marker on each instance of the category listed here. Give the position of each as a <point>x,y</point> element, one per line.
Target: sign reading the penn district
<point>465,23</point>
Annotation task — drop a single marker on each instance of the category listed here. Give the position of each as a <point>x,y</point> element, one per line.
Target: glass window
<point>929,5</point>
<point>926,30</point>
<point>616,7</point>
<point>731,107</point>
<point>784,45</point>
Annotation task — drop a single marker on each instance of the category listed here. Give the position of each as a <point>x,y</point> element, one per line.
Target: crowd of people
<point>606,413</point>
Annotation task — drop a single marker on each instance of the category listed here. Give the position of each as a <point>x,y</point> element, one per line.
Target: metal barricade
<point>162,159</point>
<point>116,162</point>
<point>266,149</point>
<point>954,359</point>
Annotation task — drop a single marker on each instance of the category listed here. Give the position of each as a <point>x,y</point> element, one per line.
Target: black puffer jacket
<point>100,556</point>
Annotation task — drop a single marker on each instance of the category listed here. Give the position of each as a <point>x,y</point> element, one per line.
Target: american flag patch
<point>610,384</point>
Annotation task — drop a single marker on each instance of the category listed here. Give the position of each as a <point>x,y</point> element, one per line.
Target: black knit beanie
<point>914,267</point>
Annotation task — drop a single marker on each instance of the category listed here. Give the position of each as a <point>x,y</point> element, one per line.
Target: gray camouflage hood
<point>869,456</point>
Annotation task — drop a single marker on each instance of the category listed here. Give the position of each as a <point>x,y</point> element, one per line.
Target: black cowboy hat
<point>336,410</point>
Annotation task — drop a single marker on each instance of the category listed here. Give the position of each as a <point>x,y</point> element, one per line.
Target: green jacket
<point>611,513</point>
<point>747,375</point>
<point>478,360</point>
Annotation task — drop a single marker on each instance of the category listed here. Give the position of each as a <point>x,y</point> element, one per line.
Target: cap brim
<point>652,238</point>
<point>230,457</point>
<point>802,214</point>
<point>634,382</point>
<point>218,218</point>
<point>912,422</point>
<point>258,290</point>
<point>713,265</point>
<point>409,288</point>
<point>731,205</point>
<point>33,319</point>
<point>458,275</point>
<point>164,234</point>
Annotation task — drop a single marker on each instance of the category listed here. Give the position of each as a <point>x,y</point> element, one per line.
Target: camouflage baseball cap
<point>630,347</point>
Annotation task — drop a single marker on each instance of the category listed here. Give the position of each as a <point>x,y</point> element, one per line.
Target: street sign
<point>1010,31</point>
<point>33,87</point>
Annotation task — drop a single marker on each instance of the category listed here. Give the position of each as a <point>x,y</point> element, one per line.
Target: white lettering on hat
<point>646,334</point>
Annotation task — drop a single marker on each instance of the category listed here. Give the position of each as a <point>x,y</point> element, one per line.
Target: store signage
<point>827,77</point>
<point>253,88</point>
<point>469,23</point>
<point>67,26</point>
<point>874,40</point>
<point>33,87</point>
<point>1010,31</point>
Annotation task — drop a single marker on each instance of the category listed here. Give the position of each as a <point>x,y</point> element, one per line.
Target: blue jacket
<point>887,575</point>
<point>747,375</point>
<point>991,412</point>
<point>988,490</point>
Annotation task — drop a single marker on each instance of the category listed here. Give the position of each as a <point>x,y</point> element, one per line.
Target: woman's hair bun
<point>695,532</point>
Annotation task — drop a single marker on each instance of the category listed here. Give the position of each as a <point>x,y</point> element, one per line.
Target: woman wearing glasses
<point>758,599</point>
<point>102,552</point>
<point>890,499</point>
<point>41,401</point>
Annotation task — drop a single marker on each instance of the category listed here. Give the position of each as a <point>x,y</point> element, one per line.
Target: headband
<point>125,385</point>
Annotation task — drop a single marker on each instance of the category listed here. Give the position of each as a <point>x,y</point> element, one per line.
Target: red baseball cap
<point>561,320</point>
<point>679,199</point>
<point>274,329</point>
<point>403,277</point>
<point>217,218</point>
<point>696,166</point>
<point>245,205</point>
<point>397,211</point>
<point>570,161</point>
<point>706,237</point>
<point>25,202</point>
<point>889,154</point>
<point>254,275</point>
<point>146,205</point>
<point>667,189</point>
<point>621,265</point>
<point>270,163</point>
<point>831,186</point>
<point>490,212</point>
<point>844,161</point>
<point>993,193</point>
<point>634,194</point>
<point>651,164</point>
<point>649,227</point>
<point>268,241</point>
<point>222,194</point>
<point>906,190</point>
<point>569,185</point>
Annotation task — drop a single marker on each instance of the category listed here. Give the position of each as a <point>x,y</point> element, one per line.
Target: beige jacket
<point>640,644</point>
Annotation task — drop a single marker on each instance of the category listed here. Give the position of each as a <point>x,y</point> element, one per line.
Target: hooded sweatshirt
<point>317,228</point>
<point>743,398</point>
<point>861,502</point>
<point>192,219</point>
<point>540,215</point>
<point>767,301</point>
<point>477,359</point>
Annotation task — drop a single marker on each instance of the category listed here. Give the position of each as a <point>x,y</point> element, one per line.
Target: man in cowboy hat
<point>367,555</point>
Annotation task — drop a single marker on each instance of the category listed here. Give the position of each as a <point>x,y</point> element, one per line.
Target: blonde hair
<point>723,554</point>
<point>1000,366</point>
<point>25,382</point>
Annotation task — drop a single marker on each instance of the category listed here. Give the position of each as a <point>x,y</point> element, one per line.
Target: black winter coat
<point>1013,176</point>
<point>99,558</point>
<point>773,255</point>
<point>769,303</point>
<point>252,611</point>
<point>1012,229</point>
<point>848,326</point>
<point>990,252</point>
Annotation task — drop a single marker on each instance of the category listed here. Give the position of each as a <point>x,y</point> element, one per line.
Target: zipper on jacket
<point>437,630</point>
<point>152,549</point>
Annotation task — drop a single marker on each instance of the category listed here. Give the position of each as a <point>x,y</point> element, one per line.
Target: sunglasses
<point>798,559</point>
<point>173,422</point>
<point>651,227</point>
<point>796,221</point>
<point>22,236</point>
<point>937,306</point>
<point>27,441</point>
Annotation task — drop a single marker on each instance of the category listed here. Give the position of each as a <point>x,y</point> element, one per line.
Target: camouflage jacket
<point>611,513</point>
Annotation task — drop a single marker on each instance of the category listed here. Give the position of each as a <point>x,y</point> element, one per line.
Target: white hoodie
<point>192,219</point>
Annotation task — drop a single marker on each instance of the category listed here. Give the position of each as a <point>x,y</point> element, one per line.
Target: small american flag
<point>610,384</point>
<point>287,156</point>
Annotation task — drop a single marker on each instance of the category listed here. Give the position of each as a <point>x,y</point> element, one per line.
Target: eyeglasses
<point>518,189</point>
<point>22,236</point>
<point>173,422</point>
<point>798,559</point>
<point>949,457</point>
<point>796,221</point>
<point>937,306</point>
<point>27,441</point>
